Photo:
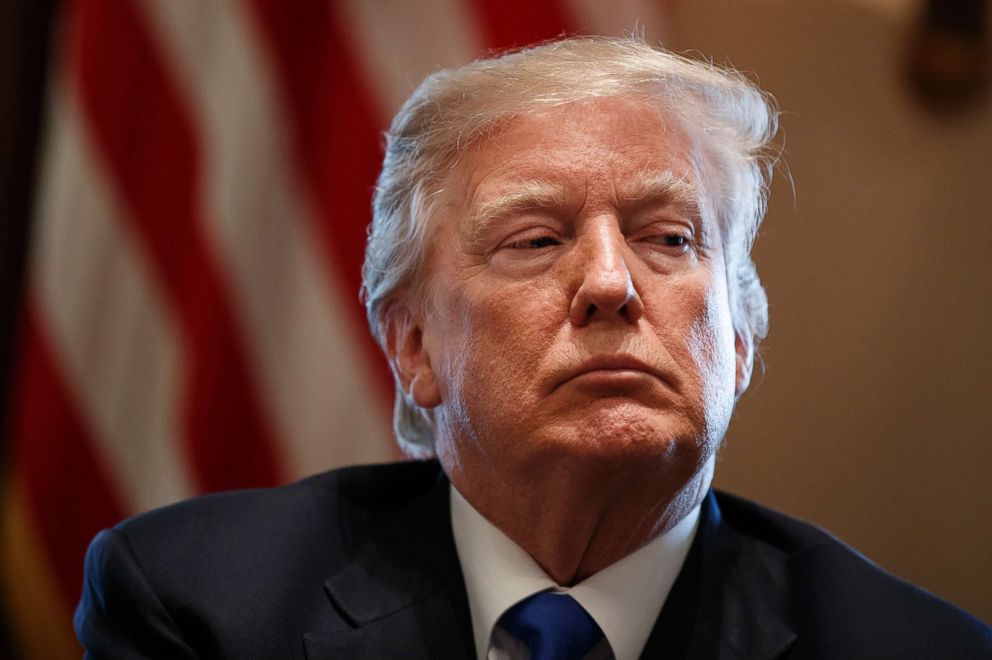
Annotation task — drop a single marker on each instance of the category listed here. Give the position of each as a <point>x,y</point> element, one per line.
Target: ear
<point>409,357</point>
<point>744,347</point>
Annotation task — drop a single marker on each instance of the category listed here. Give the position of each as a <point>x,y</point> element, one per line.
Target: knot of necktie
<point>554,626</point>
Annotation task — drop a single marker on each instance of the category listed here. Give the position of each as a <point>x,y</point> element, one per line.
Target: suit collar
<point>730,600</point>
<point>402,594</point>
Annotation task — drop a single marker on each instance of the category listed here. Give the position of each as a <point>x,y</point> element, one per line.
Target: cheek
<point>492,337</point>
<point>711,347</point>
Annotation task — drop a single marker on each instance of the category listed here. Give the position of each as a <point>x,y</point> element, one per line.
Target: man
<point>558,271</point>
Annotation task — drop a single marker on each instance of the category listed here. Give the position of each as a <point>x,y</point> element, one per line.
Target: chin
<point>632,437</point>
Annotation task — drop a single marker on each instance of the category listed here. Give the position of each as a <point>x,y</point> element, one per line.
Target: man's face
<point>577,309</point>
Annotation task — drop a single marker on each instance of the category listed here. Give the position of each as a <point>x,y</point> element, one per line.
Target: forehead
<point>599,151</point>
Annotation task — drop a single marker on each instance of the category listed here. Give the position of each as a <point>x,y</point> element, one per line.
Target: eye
<point>671,241</point>
<point>526,253</point>
<point>535,243</point>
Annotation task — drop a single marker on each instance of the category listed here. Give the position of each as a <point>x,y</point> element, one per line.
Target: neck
<point>575,522</point>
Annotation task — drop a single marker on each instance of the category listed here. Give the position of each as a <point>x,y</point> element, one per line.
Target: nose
<point>606,290</point>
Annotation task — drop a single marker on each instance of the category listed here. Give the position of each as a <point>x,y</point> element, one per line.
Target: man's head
<point>477,148</point>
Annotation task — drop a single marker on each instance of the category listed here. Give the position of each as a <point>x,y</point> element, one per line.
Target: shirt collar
<point>624,598</point>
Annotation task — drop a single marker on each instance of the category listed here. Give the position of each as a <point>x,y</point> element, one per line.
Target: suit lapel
<point>402,595</point>
<point>730,600</point>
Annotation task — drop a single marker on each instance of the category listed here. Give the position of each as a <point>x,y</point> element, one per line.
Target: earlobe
<point>409,358</point>
<point>744,348</point>
<point>424,391</point>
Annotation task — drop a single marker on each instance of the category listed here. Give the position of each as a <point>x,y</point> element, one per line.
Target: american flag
<point>192,320</point>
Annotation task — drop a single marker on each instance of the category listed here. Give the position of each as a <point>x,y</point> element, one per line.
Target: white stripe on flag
<point>302,340</point>
<point>100,307</point>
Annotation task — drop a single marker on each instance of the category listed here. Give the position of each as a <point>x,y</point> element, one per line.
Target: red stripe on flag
<point>149,146</point>
<point>69,495</point>
<point>335,128</point>
<point>510,23</point>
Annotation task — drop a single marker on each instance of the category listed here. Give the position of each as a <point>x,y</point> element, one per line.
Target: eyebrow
<point>650,188</point>
<point>665,187</point>
<point>526,195</point>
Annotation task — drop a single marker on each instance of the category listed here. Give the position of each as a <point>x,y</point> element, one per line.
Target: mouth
<point>611,369</point>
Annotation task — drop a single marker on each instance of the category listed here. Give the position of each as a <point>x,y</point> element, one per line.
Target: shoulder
<point>241,571</point>
<point>840,599</point>
<point>284,511</point>
<point>293,524</point>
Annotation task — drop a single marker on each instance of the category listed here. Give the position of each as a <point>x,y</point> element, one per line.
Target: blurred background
<point>184,191</point>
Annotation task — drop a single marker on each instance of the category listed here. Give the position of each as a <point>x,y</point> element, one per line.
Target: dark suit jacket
<point>360,563</point>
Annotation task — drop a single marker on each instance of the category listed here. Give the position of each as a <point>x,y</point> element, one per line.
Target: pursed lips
<point>611,362</point>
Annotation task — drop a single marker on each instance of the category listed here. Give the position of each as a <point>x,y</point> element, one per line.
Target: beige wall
<point>874,418</point>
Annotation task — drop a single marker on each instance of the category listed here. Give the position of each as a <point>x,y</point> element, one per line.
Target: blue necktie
<point>554,626</point>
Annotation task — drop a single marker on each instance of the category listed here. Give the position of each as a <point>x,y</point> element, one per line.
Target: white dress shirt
<point>624,598</point>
